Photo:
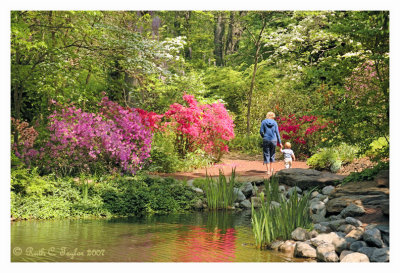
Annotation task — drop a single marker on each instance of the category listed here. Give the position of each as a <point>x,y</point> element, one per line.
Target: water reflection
<point>196,237</point>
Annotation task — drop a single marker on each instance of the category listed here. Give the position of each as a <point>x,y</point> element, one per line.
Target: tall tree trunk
<point>257,43</point>
<point>253,78</point>
<point>188,49</point>
<point>219,31</point>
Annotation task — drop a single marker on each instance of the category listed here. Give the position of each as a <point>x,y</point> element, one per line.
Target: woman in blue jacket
<point>270,133</point>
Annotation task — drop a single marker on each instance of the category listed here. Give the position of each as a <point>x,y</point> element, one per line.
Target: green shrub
<point>165,158</point>
<point>246,144</point>
<point>103,197</point>
<point>379,149</point>
<point>332,158</point>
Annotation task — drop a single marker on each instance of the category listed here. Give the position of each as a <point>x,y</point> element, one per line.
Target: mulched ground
<point>245,167</point>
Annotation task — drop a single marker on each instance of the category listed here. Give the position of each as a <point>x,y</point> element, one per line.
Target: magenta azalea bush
<point>114,139</point>
<point>200,126</point>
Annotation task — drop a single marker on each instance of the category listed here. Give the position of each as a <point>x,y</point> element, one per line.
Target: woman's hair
<point>270,115</point>
<point>288,145</point>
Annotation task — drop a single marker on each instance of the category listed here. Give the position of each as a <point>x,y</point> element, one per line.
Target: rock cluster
<point>339,237</point>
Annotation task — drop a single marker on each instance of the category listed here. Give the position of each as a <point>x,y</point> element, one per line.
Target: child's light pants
<point>288,163</point>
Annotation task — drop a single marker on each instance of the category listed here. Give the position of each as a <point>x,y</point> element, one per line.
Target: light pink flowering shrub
<point>207,126</point>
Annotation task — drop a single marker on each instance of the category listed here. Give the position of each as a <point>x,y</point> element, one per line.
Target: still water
<point>195,237</point>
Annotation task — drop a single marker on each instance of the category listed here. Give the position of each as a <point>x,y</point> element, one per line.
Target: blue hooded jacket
<point>269,130</point>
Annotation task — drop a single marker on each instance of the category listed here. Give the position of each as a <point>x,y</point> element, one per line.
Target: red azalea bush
<point>207,126</point>
<point>304,133</point>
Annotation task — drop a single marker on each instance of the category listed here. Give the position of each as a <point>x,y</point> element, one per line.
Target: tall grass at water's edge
<point>271,222</point>
<point>219,192</point>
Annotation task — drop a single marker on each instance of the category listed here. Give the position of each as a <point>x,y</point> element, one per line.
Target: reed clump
<point>219,191</point>
<point>272,221</point>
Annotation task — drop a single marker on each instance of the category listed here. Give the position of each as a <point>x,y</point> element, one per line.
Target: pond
<point>223,236</point>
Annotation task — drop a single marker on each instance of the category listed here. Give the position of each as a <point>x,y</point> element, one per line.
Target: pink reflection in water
<point>200,245</point>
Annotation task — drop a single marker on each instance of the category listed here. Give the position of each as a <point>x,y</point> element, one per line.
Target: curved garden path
<point>247,168</point>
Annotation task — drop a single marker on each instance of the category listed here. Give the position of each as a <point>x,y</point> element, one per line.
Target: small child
<point>288,155</point>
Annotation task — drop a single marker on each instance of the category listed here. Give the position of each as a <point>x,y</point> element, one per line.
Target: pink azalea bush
<point>200,126</point>
<point>304,132</point>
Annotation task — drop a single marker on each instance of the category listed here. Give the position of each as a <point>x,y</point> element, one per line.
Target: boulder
<point>328,190</point>
<point>312,234</point>
<point>352,210</point>
<point>239,195</point>
<point>292,190</point>
<point>321,229</point>
<point>324,238</point>
<point>380,255</point>
<point>353,221</point>
<point>373,237</point>
<point>384,205</point>
<point>346,228</point>
<point>307,178</point>
<point>344,253</point>
<point>316,218</point>
<point>304,250</point>
<point>366,193</point>
<point>367,251</point>
<point>318,207</point>
<point>275,245</point>
<point>356,233</point>
<point>300,234</point>
<point>326,253</point>
<point>335,217</point>
<point>340,244</point>
<point>383,228</point>
<point>288,247</point>
<point>314,194</point>
<point>331,257</point>
<point>246,204</point>
<point>382,178</point>
<point>355,257</point>
<point>247,189</point>
<point>355,246</point>
<point>335,224</point>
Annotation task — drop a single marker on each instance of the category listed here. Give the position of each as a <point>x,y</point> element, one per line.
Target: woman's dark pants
<point>269,151</point>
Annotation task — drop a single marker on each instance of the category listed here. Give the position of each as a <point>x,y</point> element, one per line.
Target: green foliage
<point>379,149</point>
<point>251,144</point>
<point>332,158</point>
<point>165,158</point>
<point>272,222</point>
<point>367,174</point>
<point>28,182</point>
<point>49,197</point>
